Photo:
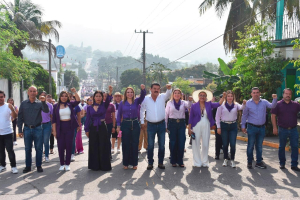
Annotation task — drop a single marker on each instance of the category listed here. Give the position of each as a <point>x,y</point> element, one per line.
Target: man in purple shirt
<point>47,127</point>
<point>286,112</point>
<point>255,115</point>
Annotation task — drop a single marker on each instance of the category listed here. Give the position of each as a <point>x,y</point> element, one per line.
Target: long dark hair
<point>98,92</point>
<point>60,95</point>
<point>12,100</point>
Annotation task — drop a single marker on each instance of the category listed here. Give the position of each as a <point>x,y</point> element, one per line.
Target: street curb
<point>265,143</point>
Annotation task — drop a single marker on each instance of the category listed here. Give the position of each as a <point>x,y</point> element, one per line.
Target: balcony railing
<point>290,28</point>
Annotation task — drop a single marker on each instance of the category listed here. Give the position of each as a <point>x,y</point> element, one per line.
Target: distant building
<point>198,83</point>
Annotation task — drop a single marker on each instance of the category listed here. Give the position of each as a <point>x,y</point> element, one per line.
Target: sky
<point>177,27</point>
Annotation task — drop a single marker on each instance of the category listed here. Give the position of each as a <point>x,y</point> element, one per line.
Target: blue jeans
<point>130,142</point>
<point>74,139</point>
<point>294,137</point>
<point>255,136</point>
<point>46,134</point>
<point>36,135</point>
<point>228,134</point>
<point>177,141</point>
<point>160,129</point>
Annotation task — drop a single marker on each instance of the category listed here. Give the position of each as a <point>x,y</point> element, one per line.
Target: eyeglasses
<point>202,95</point>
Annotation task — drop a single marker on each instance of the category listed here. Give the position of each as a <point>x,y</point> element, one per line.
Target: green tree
<point>71,80</point>
<point>157,72</point>
<point>296,62</point>
<point>28,17</point>
<point>82,75</point>
<point>195,71</point>
<point>131,77</point>
<point>183,85</point>
<point>11,67</point>
<point>241,10</point>
<point>40,78</point>
<point>211,87</point>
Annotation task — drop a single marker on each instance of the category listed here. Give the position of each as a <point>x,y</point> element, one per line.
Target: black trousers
<point>14,128</point>
<point>6,142</point>
<point>218,144</point>
<point>51,141</point>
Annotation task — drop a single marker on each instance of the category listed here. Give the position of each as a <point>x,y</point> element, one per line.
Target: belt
<point>31,126</point>
<point>289,128</point>
<point>176,120</point>
<point>258,126</point>
<point>157,122</point>
<point>46,123</point>
<point>129,120</point>
<point>228,122</point>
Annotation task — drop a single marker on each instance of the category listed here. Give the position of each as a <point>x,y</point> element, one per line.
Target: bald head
<point>32,92</point>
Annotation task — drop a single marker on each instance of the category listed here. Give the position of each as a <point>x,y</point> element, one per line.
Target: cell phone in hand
<point>193,136</point>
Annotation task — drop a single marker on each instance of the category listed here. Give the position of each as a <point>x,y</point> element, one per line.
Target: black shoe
<point>149,167</point>
<point>261,165</point>
<point>217,158</point>
<point>282,167</point>
<point>249,166</point>
<point>39,169</point>
<point>295,169</point>
<point>161,166</point>
<point>26,169</point>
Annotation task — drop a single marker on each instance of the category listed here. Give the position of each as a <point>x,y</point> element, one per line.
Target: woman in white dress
<point>200,123</point>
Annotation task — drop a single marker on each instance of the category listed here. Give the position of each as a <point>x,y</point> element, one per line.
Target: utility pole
<point>144,54</point>
<point>117,78</point>
<point>50,80</point>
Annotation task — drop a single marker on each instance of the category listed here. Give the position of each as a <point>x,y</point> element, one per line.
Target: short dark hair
<point>157,84</point>
<point>49,96</point>
<point>254,88</point>
<point>289,89</point>
<point>44,92</point>
<point>1,92</point>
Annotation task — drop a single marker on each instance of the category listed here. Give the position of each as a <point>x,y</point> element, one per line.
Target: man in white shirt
<point>154,105</point>
<point>7,112</point>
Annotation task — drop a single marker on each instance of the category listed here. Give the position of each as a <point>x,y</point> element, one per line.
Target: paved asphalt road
<point>216,182</point>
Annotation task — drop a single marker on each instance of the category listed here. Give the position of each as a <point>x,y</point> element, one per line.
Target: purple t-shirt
<point>108,116</point>
<point>46,116</point>
<point>286,113</point>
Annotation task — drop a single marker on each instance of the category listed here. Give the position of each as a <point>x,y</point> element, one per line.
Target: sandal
<point>181,166</point>
<point>125,167</point>
<point>135,168</point>
<point>174,165</point>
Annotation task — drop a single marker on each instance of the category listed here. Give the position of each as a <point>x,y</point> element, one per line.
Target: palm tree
<point>241,10</point>
<point>28,17</point>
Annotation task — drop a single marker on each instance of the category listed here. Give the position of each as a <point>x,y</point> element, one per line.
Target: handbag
<point>120,134</point>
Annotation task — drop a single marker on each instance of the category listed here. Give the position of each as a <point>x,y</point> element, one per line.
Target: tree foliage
<point>296,62</point>
<point>157,73</point>
<point>183,85</point>
<point>195,71</point>
<point>11,67</point>
<point>131,77</point>
<point>71,80</point>
<point>40,78</point>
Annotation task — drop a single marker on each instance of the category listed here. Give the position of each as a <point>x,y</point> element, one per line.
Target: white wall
<point>4,87</point>
<point>16,94</point>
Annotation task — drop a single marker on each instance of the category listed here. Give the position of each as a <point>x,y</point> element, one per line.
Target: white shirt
<point>155,109</point>
<point>5,120</point>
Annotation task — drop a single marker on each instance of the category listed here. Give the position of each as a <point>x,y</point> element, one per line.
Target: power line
<point>152,12</point>
<point>128,43</point>
<point>223,33</point>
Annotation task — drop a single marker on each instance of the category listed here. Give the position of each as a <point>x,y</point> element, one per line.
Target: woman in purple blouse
<point>200,122</point>
<point>64,123</point>
<point>130,127</point>
<point>96,130</point>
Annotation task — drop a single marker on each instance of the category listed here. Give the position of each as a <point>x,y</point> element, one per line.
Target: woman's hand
<point>190,132</point>
<point>142,86</point>
<point>219,131</point>
<point>113,130</point>
<point>110,88</point>
<point>118,129</point>
<point>54,134</point>
<point>87,134</point>
<point>73,90</point>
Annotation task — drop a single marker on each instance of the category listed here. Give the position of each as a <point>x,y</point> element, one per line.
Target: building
<point>286,29</point>
<point>198,83</point>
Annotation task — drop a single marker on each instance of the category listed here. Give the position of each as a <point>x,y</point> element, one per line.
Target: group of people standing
<point>132,119</point>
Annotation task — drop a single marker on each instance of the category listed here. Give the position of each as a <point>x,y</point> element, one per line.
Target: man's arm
<point>13,113</point>
<point>20,120</point>
<point>274,123</point>
<point>245,117</point>
<point>274,102</point>
<point>142,111</point>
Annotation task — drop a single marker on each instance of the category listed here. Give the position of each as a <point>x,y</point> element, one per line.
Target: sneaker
<point>14,170</point>
<point>2,169</point>
<point>39,169</point>
<point>72,158</point>
<point>261,165</point>
<point>112,151</point>
<point>295,169</point>
<point>81,152</point>
<point>15,143</point>
<point>249,166</point>
<point>161,166</point>
<point>225,163</point>
<point>118,151</point>
<point>282,167</point>
<point>26,169</point>
<point>47,159</point>
<point>221,151</point>
<point>139,151</point>
<point>67,167</point>
<point>233,164</point>
<point>149,167</point>
<point>217,157</point>
<point>62,168</point>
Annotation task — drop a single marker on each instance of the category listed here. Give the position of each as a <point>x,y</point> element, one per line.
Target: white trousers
<point>202,136</point>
